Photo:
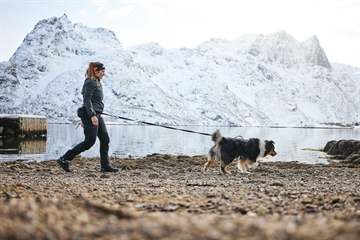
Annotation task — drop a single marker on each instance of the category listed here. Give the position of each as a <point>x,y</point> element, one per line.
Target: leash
<point>158,125</point>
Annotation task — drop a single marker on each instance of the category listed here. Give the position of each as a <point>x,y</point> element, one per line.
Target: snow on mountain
<point>343,70</point>
<point>255,80</point>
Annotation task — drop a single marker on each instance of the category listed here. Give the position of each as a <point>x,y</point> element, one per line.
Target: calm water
<point>292,144</point>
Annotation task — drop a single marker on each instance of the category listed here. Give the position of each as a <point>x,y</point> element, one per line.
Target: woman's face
<point>100,74</point>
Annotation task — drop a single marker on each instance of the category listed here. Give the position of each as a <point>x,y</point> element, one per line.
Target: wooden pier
<point>22,126</point>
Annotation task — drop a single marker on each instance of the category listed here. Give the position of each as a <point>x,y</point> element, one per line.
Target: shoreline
<point>164,196</point>
<point>319,126</point>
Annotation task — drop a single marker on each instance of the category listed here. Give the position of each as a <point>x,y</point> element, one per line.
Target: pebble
<point>153,175</point>
<point>92,175</point>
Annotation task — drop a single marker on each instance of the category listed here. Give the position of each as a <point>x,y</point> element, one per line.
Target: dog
<point>247,151</point>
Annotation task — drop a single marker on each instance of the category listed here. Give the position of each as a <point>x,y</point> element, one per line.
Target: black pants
<point>91,132</point>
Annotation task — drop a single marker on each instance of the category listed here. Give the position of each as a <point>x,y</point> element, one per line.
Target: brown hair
<point>90,72</point>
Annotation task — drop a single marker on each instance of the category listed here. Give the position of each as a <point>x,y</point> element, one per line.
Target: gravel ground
<point>169,197</point>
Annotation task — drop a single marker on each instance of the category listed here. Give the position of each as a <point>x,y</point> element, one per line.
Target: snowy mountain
<point>352,72</point>
<point>256,80</point>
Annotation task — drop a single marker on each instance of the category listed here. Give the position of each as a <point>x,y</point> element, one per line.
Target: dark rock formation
<point>346,150</point>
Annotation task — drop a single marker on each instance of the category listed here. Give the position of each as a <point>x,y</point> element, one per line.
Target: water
<point>291,144</point>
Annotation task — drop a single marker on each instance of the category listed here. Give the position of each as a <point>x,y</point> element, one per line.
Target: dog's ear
<point>271,141</point>
<point>224,139</point>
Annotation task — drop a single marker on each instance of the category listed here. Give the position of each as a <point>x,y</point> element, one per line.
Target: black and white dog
<point>226,149</point>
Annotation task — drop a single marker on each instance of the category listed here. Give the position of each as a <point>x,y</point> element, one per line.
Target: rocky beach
<point>169,197</point>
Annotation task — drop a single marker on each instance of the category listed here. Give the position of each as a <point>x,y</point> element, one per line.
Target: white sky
<point>184,23</point>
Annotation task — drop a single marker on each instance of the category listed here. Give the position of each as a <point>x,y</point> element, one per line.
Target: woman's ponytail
<point>90,72</point>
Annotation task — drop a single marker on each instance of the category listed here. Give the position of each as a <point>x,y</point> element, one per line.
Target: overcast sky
<point>184,23</point>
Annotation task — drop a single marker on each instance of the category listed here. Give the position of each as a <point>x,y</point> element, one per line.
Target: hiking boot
<point>64,164</point>
<point>105,166</point>
<point>108,168</point>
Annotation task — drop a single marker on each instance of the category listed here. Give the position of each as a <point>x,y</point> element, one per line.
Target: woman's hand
<point>94,121</point>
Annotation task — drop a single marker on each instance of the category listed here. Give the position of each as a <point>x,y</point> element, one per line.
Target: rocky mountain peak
<point>314,53</point>
<point>59,37</point>
<point>283,36</point>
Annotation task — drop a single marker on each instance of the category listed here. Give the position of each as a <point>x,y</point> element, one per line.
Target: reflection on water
<point>22,145</point>
<point>138,141</point>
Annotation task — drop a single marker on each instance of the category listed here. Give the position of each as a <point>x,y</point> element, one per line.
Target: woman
<point>93,123</point>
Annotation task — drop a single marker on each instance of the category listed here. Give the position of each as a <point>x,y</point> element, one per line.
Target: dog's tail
<point>216,137</point>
